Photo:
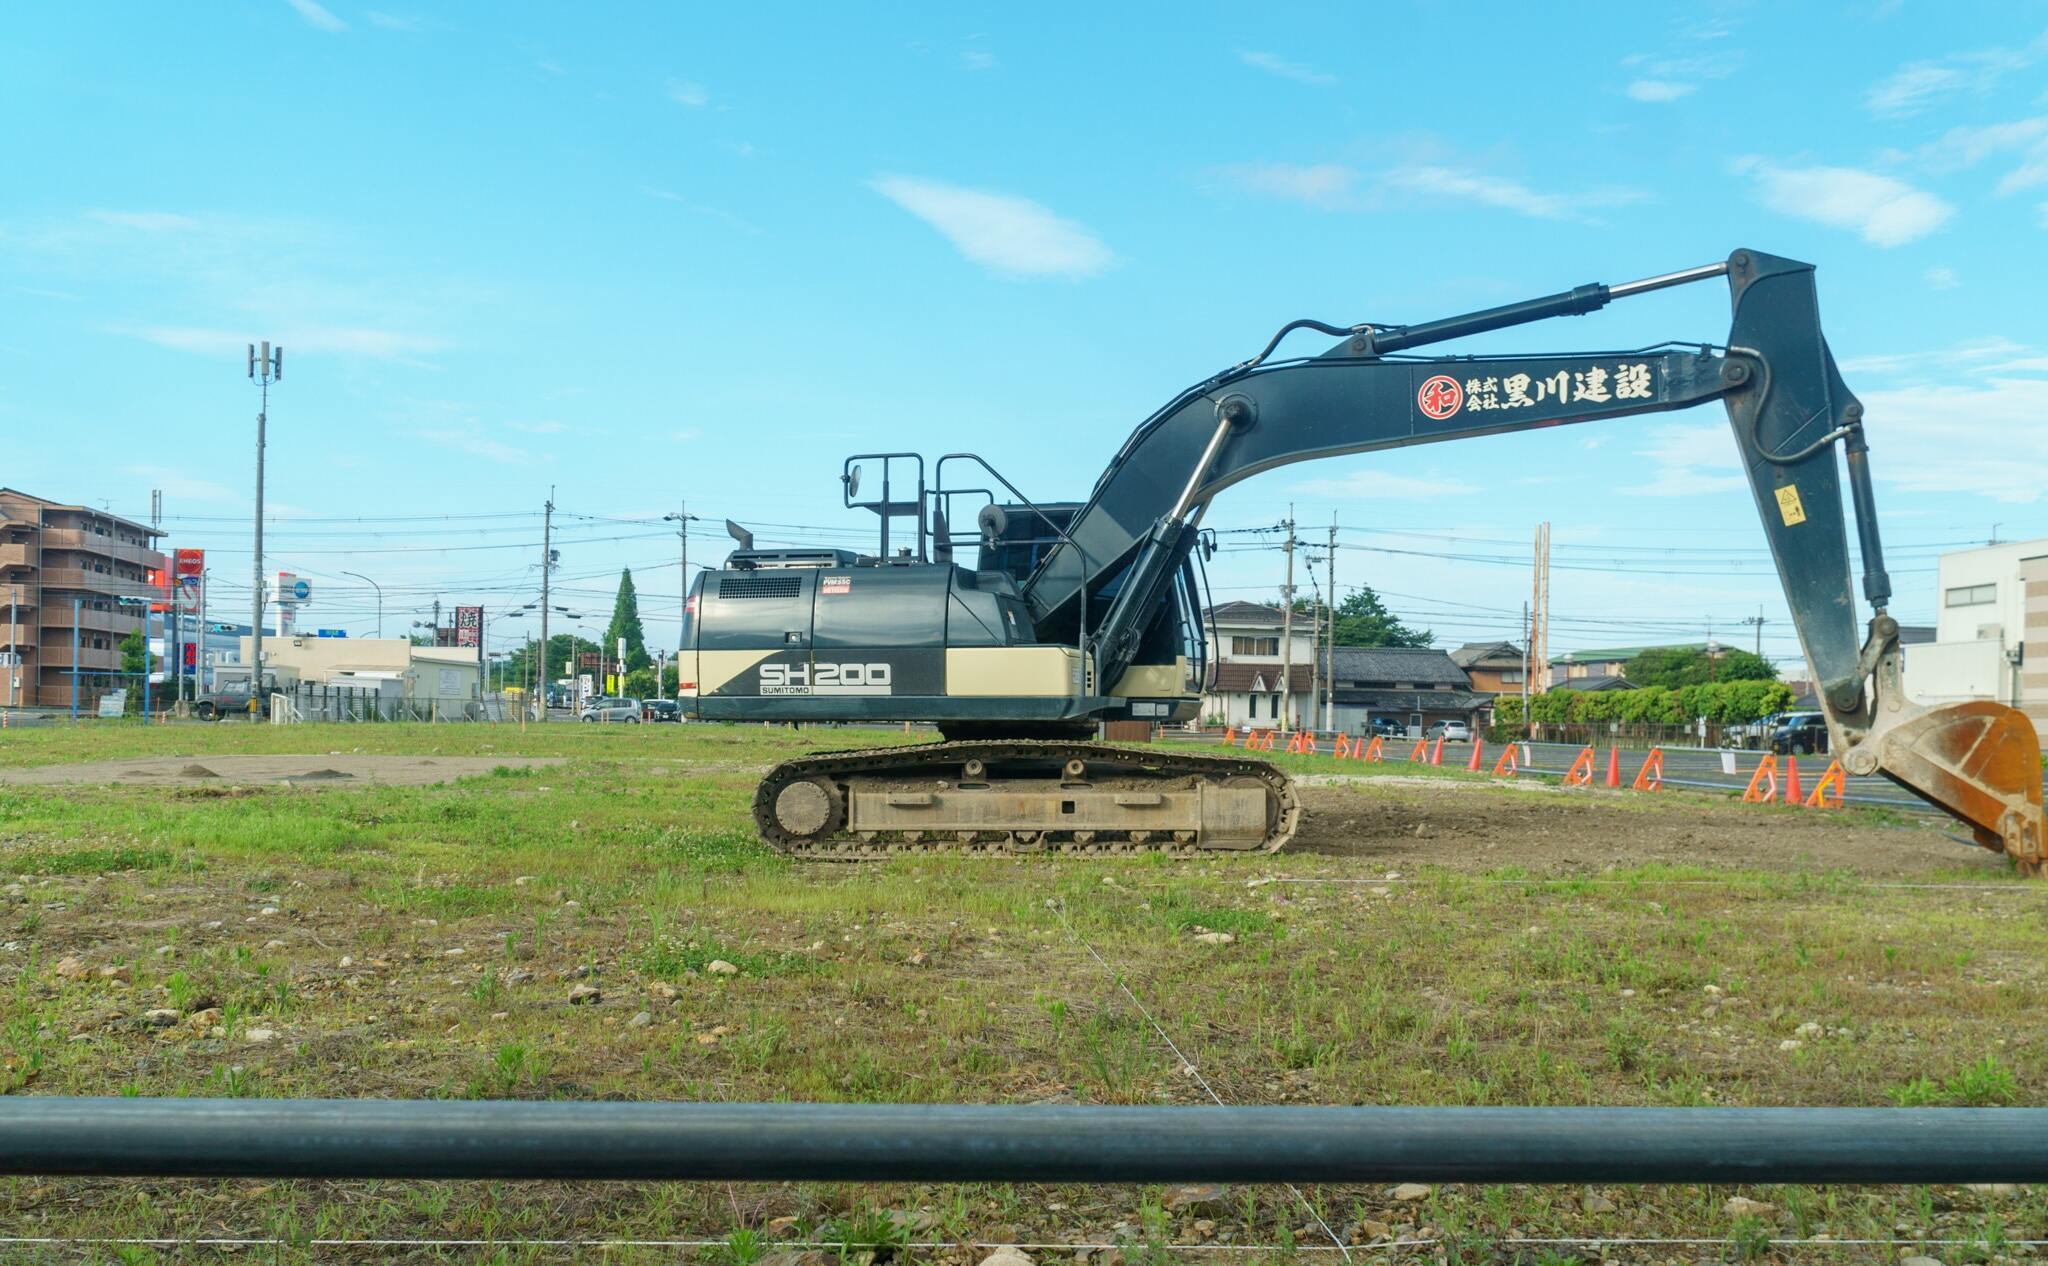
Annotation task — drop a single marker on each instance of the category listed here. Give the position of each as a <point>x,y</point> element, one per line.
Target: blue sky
<point>705,253</point>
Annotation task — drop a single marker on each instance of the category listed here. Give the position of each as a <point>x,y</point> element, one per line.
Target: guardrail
<point>781,1142</point>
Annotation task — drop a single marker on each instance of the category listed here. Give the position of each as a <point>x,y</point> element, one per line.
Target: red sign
<point>188,579</point>
<point>1440,397</point>
<point>469,626</point>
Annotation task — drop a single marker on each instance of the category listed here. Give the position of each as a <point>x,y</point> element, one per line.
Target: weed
<point>1749,1238</point>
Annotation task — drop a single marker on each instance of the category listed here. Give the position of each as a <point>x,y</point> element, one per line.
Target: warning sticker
<point>1789,507</point>
<point>835,584</point>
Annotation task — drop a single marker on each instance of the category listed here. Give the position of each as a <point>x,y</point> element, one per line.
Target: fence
<point>312,701</point>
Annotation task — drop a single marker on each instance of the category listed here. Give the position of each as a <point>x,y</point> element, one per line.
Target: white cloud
<point>474,442</point>
<point>1009,235</point>
<point>340,340</point>
<point>1274,64</point>
<point>392,21</point>
<point>686,92</point>
<point>1970,356</point>
<point>1327,185</point>
<point>1942,278</point>
<point>317,15</point>
<point>2042,209</point>
<point>145,221</point>
<point>1508,195</point>
<point>1967,146</point>
<point>977,59</point>
<point>687,434</point>
<point>1336,187</point>
<point>1980,438</point>
<point>1689,458</point>
<point>1658,91</point>
<point>1885,211</point>
<point>1917,86</point>
<point>1381,485</point>
<point>547,67</point>
<point>549,427</point>
<point>181,485</point>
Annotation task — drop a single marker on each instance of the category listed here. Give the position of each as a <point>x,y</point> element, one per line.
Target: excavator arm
<point>1786,404</point>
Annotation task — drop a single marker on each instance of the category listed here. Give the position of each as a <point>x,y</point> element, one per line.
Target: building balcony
<point>56,657</point>
<point>22,554</point>
<point>100,582</point>
<point>24,636</point>
<point>102,544</point>
<point>58,621</point>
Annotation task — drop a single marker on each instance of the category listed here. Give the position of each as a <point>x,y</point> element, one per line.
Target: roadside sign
<point>469,626</point>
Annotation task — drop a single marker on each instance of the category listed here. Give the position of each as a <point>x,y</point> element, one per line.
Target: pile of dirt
<point>1408,822</point>
<point>327,769</point>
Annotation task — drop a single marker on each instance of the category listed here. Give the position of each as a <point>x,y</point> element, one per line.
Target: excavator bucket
<point>1979,760</point>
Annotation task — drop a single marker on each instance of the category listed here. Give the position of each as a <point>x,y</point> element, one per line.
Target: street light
<point>380,597</point>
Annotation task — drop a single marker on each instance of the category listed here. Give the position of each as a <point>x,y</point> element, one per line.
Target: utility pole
<point>1330,646</point>
<point>264,371</point>
<point>547,567</point>
<point>1525,664</point>
<point>1757,622</point>
<point>681,518</point>
<point>1539,613</point>
<point>1287,632</point>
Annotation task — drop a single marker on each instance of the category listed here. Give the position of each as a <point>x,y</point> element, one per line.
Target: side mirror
<point>853,483</point>
<point>992,522</point>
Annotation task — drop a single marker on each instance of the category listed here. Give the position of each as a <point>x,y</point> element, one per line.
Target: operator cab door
<point>753,632</point>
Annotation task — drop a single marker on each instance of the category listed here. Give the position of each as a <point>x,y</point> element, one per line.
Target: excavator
<point>1077,613</point>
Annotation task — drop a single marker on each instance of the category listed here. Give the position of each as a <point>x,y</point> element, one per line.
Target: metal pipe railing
<point>282,1138</point>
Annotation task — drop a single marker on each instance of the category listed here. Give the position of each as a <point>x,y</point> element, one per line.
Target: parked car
<point>609,709</point>
<point>1752,735</point>
<point>1801,732</point>
<point>663,710</point>
<point>1454,731</point>
<point>1386,727</point>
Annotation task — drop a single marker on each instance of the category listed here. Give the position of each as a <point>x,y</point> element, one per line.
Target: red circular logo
<point>1440,397</point>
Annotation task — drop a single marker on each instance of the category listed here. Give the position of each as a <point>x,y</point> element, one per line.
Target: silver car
<point>626,710</point>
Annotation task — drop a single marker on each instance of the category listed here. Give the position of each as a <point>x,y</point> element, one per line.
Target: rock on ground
<point>1007,1257</point>
<point>1410,1192</point>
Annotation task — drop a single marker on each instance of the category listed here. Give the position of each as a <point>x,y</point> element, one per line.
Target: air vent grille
<point>760,586</point>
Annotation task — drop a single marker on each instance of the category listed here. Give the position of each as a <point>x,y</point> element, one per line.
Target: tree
<point>1363,620</point>
<point>626,624</point>
<point>135,663</point>
<point>1675,667</point>
<point>563,649</point>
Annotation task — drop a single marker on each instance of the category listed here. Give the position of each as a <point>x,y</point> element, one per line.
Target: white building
<point>1991,631</point>
<point>1247,666</point>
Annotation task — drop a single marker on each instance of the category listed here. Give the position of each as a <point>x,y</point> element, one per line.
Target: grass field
<point>1434,938</point>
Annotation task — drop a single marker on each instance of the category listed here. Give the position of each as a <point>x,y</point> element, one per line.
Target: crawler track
<point>822,825</point>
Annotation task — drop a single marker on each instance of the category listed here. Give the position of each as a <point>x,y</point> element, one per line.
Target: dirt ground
<point>1404,823</point>
<point>334,769</point>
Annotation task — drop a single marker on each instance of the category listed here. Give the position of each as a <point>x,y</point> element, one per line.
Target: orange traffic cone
<point>1651,776</point>
<point>1614,767</point>
<point>1581,772</point>
<point>1436,755</point>
<point>1473,764</point>
<point>1507,764</point>
<point>1792,795</point>
<point>1827,793</point>
<point>1229,738</point>
<point>1763,784</point>
<point>1421,752</point>
<point>1342,747</point>
<point>1374,750</point>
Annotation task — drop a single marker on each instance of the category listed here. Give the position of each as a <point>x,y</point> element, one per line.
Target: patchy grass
<point>423,941</point>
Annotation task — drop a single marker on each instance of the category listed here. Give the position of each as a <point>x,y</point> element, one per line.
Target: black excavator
<point>1076,613</point>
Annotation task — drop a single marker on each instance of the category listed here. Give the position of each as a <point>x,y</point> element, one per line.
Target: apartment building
<point>65,571</point>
